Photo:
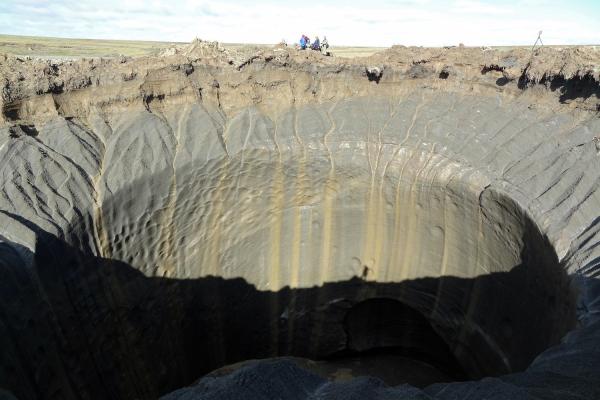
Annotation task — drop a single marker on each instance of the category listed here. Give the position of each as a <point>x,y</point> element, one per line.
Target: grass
<point>74,48</point>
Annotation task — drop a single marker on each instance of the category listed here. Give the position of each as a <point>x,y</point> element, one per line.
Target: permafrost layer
<point>165,217</point>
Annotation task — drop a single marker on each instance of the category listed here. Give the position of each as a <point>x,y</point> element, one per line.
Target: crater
<point>295,233</point>
<point>257,258</point>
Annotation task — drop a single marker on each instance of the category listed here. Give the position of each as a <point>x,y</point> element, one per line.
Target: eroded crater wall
<point>279,219</point>
<point>144,237</point>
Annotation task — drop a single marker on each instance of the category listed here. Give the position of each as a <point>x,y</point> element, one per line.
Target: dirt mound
<point>198,49</point>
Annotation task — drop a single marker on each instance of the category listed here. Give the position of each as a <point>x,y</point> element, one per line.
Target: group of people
<point>316,45</point>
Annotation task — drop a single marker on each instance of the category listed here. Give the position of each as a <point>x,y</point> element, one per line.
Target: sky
<point>344,22</point>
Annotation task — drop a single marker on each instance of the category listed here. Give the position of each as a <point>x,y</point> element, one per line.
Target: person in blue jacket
<point>303,42</point>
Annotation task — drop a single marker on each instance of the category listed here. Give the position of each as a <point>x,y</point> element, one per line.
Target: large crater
<point>300,228</point>
<point>413,233</point>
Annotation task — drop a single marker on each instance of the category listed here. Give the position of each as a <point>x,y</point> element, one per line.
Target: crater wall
<point>200,214</point>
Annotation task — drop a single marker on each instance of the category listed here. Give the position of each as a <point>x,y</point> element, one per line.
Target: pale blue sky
<point>345,22</point>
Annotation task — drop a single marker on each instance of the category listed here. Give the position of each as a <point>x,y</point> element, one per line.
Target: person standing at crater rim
<point>304,42</point>
<point>316,44</point>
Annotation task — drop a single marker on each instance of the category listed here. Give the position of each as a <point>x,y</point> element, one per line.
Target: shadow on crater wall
<point>77,326</point>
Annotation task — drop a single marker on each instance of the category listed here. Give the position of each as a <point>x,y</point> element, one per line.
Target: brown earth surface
<point>261,71</point>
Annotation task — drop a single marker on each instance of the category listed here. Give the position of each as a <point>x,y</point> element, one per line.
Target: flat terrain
<point>74,48</point>
<point>70,48</point>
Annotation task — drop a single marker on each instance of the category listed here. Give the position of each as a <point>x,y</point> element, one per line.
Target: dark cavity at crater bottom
<point>100,327</point>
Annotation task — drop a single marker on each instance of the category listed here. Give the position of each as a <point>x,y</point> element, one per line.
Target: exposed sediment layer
<point>164,217</point>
